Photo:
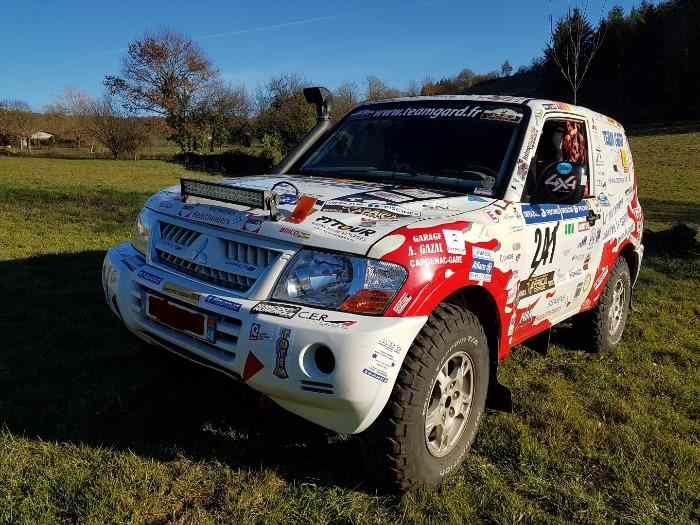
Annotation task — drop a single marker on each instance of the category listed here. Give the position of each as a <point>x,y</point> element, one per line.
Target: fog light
<point>324,359</point>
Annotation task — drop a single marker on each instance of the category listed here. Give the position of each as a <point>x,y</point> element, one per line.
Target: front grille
<point>244,262</point>
<point>252,255</point>
<point>177,234</point>
<point>229,280</point>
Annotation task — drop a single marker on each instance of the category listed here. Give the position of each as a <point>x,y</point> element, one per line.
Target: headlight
<point>340,282</point>
<point>142,232</point>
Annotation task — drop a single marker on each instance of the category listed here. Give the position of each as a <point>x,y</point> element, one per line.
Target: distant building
<point>42,136</point>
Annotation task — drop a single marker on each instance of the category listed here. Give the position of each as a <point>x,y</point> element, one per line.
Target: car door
<point>559,243</point>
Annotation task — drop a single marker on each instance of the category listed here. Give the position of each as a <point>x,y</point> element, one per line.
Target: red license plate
<point>176,316</point>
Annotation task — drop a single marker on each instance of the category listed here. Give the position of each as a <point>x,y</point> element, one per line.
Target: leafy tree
<point>283,110</point>
<point>122,134</point>
<point>17,122</point>
<point>167,74</point>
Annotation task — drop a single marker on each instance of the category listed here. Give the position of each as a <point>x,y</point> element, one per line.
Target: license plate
<point>176,316</point>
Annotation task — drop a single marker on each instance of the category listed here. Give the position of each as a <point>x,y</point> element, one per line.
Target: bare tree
<point>68,115</point>
<point>506,69</point>
<point>115,129</point>
<point>573,45</point>
<point>345,98</point>
<point>378,90</point>
<point>167,74</point>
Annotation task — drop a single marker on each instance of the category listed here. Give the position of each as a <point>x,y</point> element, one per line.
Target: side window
<point>561,140</point>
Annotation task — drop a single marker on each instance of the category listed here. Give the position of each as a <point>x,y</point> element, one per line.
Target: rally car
<point>374,281</point>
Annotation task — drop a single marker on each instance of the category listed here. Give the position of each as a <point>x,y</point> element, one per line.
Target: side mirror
<point>562,183</point>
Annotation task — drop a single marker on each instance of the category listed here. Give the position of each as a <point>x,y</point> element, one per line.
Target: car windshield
<point>458,143</point>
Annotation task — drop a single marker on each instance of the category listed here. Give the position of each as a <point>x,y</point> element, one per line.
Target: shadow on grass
<point>69,372</point>
<point>671,211</point>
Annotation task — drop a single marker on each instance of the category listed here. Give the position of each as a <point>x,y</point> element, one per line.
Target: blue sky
<point>47,46</point>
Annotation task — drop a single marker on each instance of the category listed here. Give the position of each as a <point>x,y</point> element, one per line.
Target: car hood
<point>347,215</point>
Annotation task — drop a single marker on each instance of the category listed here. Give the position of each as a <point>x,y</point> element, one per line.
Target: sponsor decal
<point>252,366</point>
<point>389,345</point>
<point>502,115</point>
<point>402,303</point>
<point>147,276</point>
<point>482,265</point>
<point>536,285</point>
<point>276,309</point>
<point>258,333</point>
<point>584,226</point>
<point>281,348</point>
<point>546,244</point>
<point>427,112</point>
<point>374,375</point>
<point>573,211</point>
<point>343,230</point>
<point>201,214</point>
<point>454,239</point>
<point>389,196</point>
<point>613,138</point>
<point>293,232</point>
<point>165,205</point>
<point>388,213</point>
<point>322,319</point>
<point>418,193</point>
<point>536,213</point>
<point>624,161</point>
<point>435,261</point>
<point>182,293</point>
<point>222,303</point>
<point>568,229</point>
<point>600,278</point>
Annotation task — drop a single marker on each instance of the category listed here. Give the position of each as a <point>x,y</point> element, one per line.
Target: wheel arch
<point>630,255</point>
<point>481,303</point>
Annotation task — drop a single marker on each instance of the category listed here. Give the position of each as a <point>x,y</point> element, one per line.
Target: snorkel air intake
<point>321,98</point>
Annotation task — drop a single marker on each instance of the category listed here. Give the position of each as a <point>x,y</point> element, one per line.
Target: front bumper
<point>367,351</point>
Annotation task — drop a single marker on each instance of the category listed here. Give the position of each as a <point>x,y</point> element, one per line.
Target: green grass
<point>96,427</point>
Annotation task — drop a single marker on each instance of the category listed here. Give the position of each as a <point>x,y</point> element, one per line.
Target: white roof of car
<point>537,104</point>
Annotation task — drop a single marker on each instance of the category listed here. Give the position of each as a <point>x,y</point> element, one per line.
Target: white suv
<point>375,281</point>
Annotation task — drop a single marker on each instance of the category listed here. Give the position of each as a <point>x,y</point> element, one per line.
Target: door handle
<point>592,217</point>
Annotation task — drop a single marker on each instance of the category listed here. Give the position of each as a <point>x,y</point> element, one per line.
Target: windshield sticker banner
<point>468,111</point>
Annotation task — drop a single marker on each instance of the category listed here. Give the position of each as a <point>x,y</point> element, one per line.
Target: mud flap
<point>499,397</point>
<point>540,342</point>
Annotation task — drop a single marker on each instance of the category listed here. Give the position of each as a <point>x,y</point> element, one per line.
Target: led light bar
<point>220,192</point>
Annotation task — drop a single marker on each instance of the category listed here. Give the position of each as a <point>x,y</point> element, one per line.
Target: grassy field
<point>98,428</point>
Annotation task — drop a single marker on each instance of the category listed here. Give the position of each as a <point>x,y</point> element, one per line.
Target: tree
<point>345,98</point>
<point>378,90</point>
<point>68,115</point>
<point>506,69</point>
<point>223,113</point>
<point>167,74</point>
<point>17,122</point>
<point>122,134</point>
<point>283,111</point>
<point>573,45</point>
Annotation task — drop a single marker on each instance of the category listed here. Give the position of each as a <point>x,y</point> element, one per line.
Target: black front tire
<point>401,451</point>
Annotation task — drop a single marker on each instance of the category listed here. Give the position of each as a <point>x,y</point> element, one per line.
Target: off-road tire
<point>396,446</point>
<point>595,326</point>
